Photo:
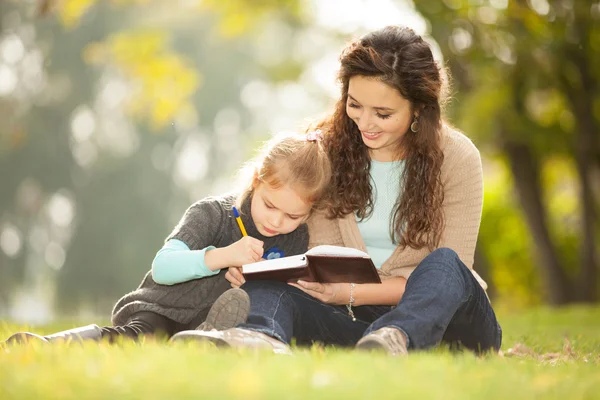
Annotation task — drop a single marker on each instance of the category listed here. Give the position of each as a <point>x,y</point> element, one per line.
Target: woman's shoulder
<point>454,143</point>
<point>324,230</point>
<point>318,219</point>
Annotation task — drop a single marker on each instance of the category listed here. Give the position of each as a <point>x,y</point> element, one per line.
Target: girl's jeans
<point>443,302</point>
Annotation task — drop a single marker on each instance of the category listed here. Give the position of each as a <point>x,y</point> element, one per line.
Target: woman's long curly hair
<point>403,60</point>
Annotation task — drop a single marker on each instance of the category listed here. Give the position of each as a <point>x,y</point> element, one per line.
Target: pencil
<point>239,221</point>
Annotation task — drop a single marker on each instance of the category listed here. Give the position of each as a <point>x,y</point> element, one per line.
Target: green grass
<point>553,354</point>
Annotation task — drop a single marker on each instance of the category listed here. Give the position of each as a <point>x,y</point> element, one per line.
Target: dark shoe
<point>390,340</point>
<point>24,338</point>
<point>230,310</point>
<point>234,337</point>
<point>89,332</point>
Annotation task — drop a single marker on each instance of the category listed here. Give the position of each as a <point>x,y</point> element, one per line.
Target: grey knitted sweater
<point>207,222</point>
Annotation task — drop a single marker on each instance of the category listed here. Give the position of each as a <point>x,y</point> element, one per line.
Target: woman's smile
<point>371,135</point>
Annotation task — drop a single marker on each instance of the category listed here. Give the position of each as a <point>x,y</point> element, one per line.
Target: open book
<point>325,264</point>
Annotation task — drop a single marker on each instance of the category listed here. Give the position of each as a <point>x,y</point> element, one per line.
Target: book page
<point>338,251</point>
<point>275,264</point>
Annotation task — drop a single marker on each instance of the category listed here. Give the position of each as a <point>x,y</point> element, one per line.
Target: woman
<point>405,183</point>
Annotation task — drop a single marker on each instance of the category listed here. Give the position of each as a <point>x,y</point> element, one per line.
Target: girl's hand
<point>245,251</point>
<point>329,293</point>
<point>235,277</point>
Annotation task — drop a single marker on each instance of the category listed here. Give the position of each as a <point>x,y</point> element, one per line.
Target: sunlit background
<point>116,115</point>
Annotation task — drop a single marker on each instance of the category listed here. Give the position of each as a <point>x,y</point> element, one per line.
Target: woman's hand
<point>329,293</point>
<point>235,277</point>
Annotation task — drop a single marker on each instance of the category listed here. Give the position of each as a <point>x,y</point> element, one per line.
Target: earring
<point>414,127</point>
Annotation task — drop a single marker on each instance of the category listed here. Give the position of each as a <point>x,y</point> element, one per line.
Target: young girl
<point>188,273</point>
<point>408,189</point>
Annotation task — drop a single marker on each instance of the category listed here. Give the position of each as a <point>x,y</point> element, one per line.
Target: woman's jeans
<point>443,302</point>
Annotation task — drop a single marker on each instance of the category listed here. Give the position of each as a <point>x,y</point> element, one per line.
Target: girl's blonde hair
<point>297,160</point>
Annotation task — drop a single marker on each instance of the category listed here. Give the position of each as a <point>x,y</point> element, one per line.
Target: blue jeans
<point>443,302</point>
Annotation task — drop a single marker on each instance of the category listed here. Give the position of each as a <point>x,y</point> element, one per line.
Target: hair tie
<point>314,136</point>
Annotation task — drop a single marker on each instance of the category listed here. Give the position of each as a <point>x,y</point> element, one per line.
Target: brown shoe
<point>234,337</point>
<point>390,340</point>
<point>230,310</point>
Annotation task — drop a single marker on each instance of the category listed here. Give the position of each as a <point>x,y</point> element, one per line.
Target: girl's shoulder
<point>219,201</point>
<point>217,205</point>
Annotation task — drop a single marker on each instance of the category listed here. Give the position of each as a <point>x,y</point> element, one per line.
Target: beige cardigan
<point>462,178</point>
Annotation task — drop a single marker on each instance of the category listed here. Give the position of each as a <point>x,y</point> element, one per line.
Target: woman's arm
<point>389,292</point>
<point>462,176</point>
<point>463,197</point>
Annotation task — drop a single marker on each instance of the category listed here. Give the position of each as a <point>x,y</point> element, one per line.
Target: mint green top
<point>176,263</point>
<point>375,231</point>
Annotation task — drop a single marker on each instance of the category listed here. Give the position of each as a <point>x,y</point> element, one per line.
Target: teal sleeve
<point>176,263</point>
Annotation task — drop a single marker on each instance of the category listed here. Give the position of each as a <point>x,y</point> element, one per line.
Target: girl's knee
<point>273,287</point>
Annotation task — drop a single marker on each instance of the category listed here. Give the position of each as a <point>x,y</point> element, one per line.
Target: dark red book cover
<point>325,264</point>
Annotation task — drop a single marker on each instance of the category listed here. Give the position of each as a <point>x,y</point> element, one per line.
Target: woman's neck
<point>385,155</point>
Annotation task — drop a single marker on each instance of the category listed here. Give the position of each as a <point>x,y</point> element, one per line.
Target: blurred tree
<point>526,77</point>
<point>102,112</point>
<point>108,138</point>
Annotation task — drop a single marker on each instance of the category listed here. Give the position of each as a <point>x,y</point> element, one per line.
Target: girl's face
<point>277,211</point>
<point>382,115</point>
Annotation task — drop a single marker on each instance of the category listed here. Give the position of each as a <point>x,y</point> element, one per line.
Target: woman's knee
<point>445,258</point>
<point>443,254</point>
<point>445,263</point>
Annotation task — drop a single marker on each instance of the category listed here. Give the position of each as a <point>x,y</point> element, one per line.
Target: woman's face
<point>382,115</point>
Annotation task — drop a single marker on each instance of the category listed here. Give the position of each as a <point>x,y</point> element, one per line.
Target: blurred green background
<point>117,114</point>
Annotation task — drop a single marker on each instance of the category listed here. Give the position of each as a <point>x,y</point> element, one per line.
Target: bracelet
<point>350,302</point>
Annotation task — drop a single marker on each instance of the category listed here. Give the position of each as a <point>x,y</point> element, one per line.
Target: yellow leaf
<point>71,11</point>
<point>163,81</point>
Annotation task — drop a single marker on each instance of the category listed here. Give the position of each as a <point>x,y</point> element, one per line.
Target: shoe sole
<point>230,310</point>
<point>215,339</point>
<point>371,345</point>
<point>199,337</point>
<point>378,344</point>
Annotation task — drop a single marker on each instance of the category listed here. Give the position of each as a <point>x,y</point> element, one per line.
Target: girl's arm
<point>189,252</point>
<point>182,258</point>
<point>176,263</point>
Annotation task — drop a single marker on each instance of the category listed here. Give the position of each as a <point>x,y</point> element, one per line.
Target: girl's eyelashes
<point>270,207</point>
<point>353,105</point>
<point>382,116</point>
